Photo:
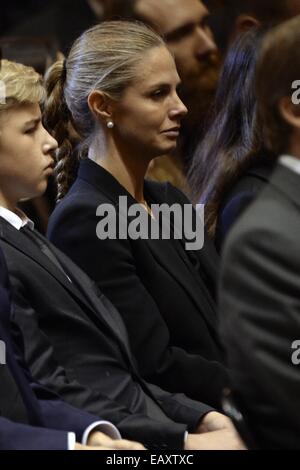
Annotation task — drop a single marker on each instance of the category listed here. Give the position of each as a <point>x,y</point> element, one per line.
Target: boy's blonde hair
<point>19,84</point>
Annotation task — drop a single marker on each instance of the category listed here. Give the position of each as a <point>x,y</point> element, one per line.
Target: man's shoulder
<point>270,223</point>
<point>269,212</point>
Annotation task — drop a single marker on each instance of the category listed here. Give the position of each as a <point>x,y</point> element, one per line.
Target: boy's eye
<point>31,130</point>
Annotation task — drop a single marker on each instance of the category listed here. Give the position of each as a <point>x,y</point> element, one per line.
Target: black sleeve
<point>45,369</point>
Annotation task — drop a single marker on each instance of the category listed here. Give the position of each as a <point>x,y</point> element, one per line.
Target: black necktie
<point>44,247</point>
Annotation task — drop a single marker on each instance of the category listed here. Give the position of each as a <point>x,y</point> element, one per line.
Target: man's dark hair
<point>224,14</point>
<point>278,67</point>
<point>263,10</point>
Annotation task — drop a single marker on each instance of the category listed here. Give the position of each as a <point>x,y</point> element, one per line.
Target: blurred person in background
<point>229,18</point>
<point>231,164</point>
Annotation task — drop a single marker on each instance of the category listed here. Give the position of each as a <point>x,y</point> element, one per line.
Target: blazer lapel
<point>166,255</point>
<point>96,299</point>
<point>85,292</point>
<point>287,182</point>
<point>17,239</point>
<point>170,256</point>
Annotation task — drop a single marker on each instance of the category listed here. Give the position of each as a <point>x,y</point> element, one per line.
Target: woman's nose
<point>179,108</point>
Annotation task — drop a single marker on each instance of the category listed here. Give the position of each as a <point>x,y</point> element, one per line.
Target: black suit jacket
<point>260,310</point>
<point>73,324</point>
<point>164,293</point>
<point>240,197</point>
<point>26,408</point>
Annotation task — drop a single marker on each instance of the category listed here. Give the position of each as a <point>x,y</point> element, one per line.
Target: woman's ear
<point>100,105</point>
<point>290,112</point>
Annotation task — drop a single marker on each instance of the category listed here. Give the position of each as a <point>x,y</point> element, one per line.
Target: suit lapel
<point>287,182</point>
<point>84,292</point>
<point>95,298</point>
<point>19,241</point>
<point>170,256</point>
<point>166,255</point>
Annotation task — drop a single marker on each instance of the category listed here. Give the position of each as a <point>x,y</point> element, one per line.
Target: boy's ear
<point>100,105</point>
<point>290,112</point>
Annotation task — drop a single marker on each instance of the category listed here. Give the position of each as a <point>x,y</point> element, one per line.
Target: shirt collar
<point>290,162</point>
<point>17,219</point>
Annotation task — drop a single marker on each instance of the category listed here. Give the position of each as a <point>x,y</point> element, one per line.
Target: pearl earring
<point>110,125</point>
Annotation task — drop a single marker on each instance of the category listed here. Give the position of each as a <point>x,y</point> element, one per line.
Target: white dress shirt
<point>290,162</point>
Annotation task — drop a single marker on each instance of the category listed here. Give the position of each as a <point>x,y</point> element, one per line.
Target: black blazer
<point>72,324</point>
<point>26,408</point>
<point>260,311</point>
<point>239,198</point>
<point>164,293</point>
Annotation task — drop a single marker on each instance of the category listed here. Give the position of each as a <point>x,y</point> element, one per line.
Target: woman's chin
<point>167,150</point>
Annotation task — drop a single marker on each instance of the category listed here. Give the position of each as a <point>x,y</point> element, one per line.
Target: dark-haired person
<point>75,341</point>
<point>230,18</point>
<point>32,417</point>
<point>231,165</point>
<point>259,297</point>
<point>128,112</point>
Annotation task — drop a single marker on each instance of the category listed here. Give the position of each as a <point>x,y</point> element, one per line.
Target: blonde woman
<point>121,97</point>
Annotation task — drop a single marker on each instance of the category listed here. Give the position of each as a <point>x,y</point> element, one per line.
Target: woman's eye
<point>159,93</point>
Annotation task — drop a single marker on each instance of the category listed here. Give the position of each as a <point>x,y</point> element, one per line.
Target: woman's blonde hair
<point>102,58</point>
<point>19,84</point>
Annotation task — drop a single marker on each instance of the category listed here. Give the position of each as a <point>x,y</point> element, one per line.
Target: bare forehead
<point>169,15</point>
<point>157,65</point>
<point>23,113</point>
